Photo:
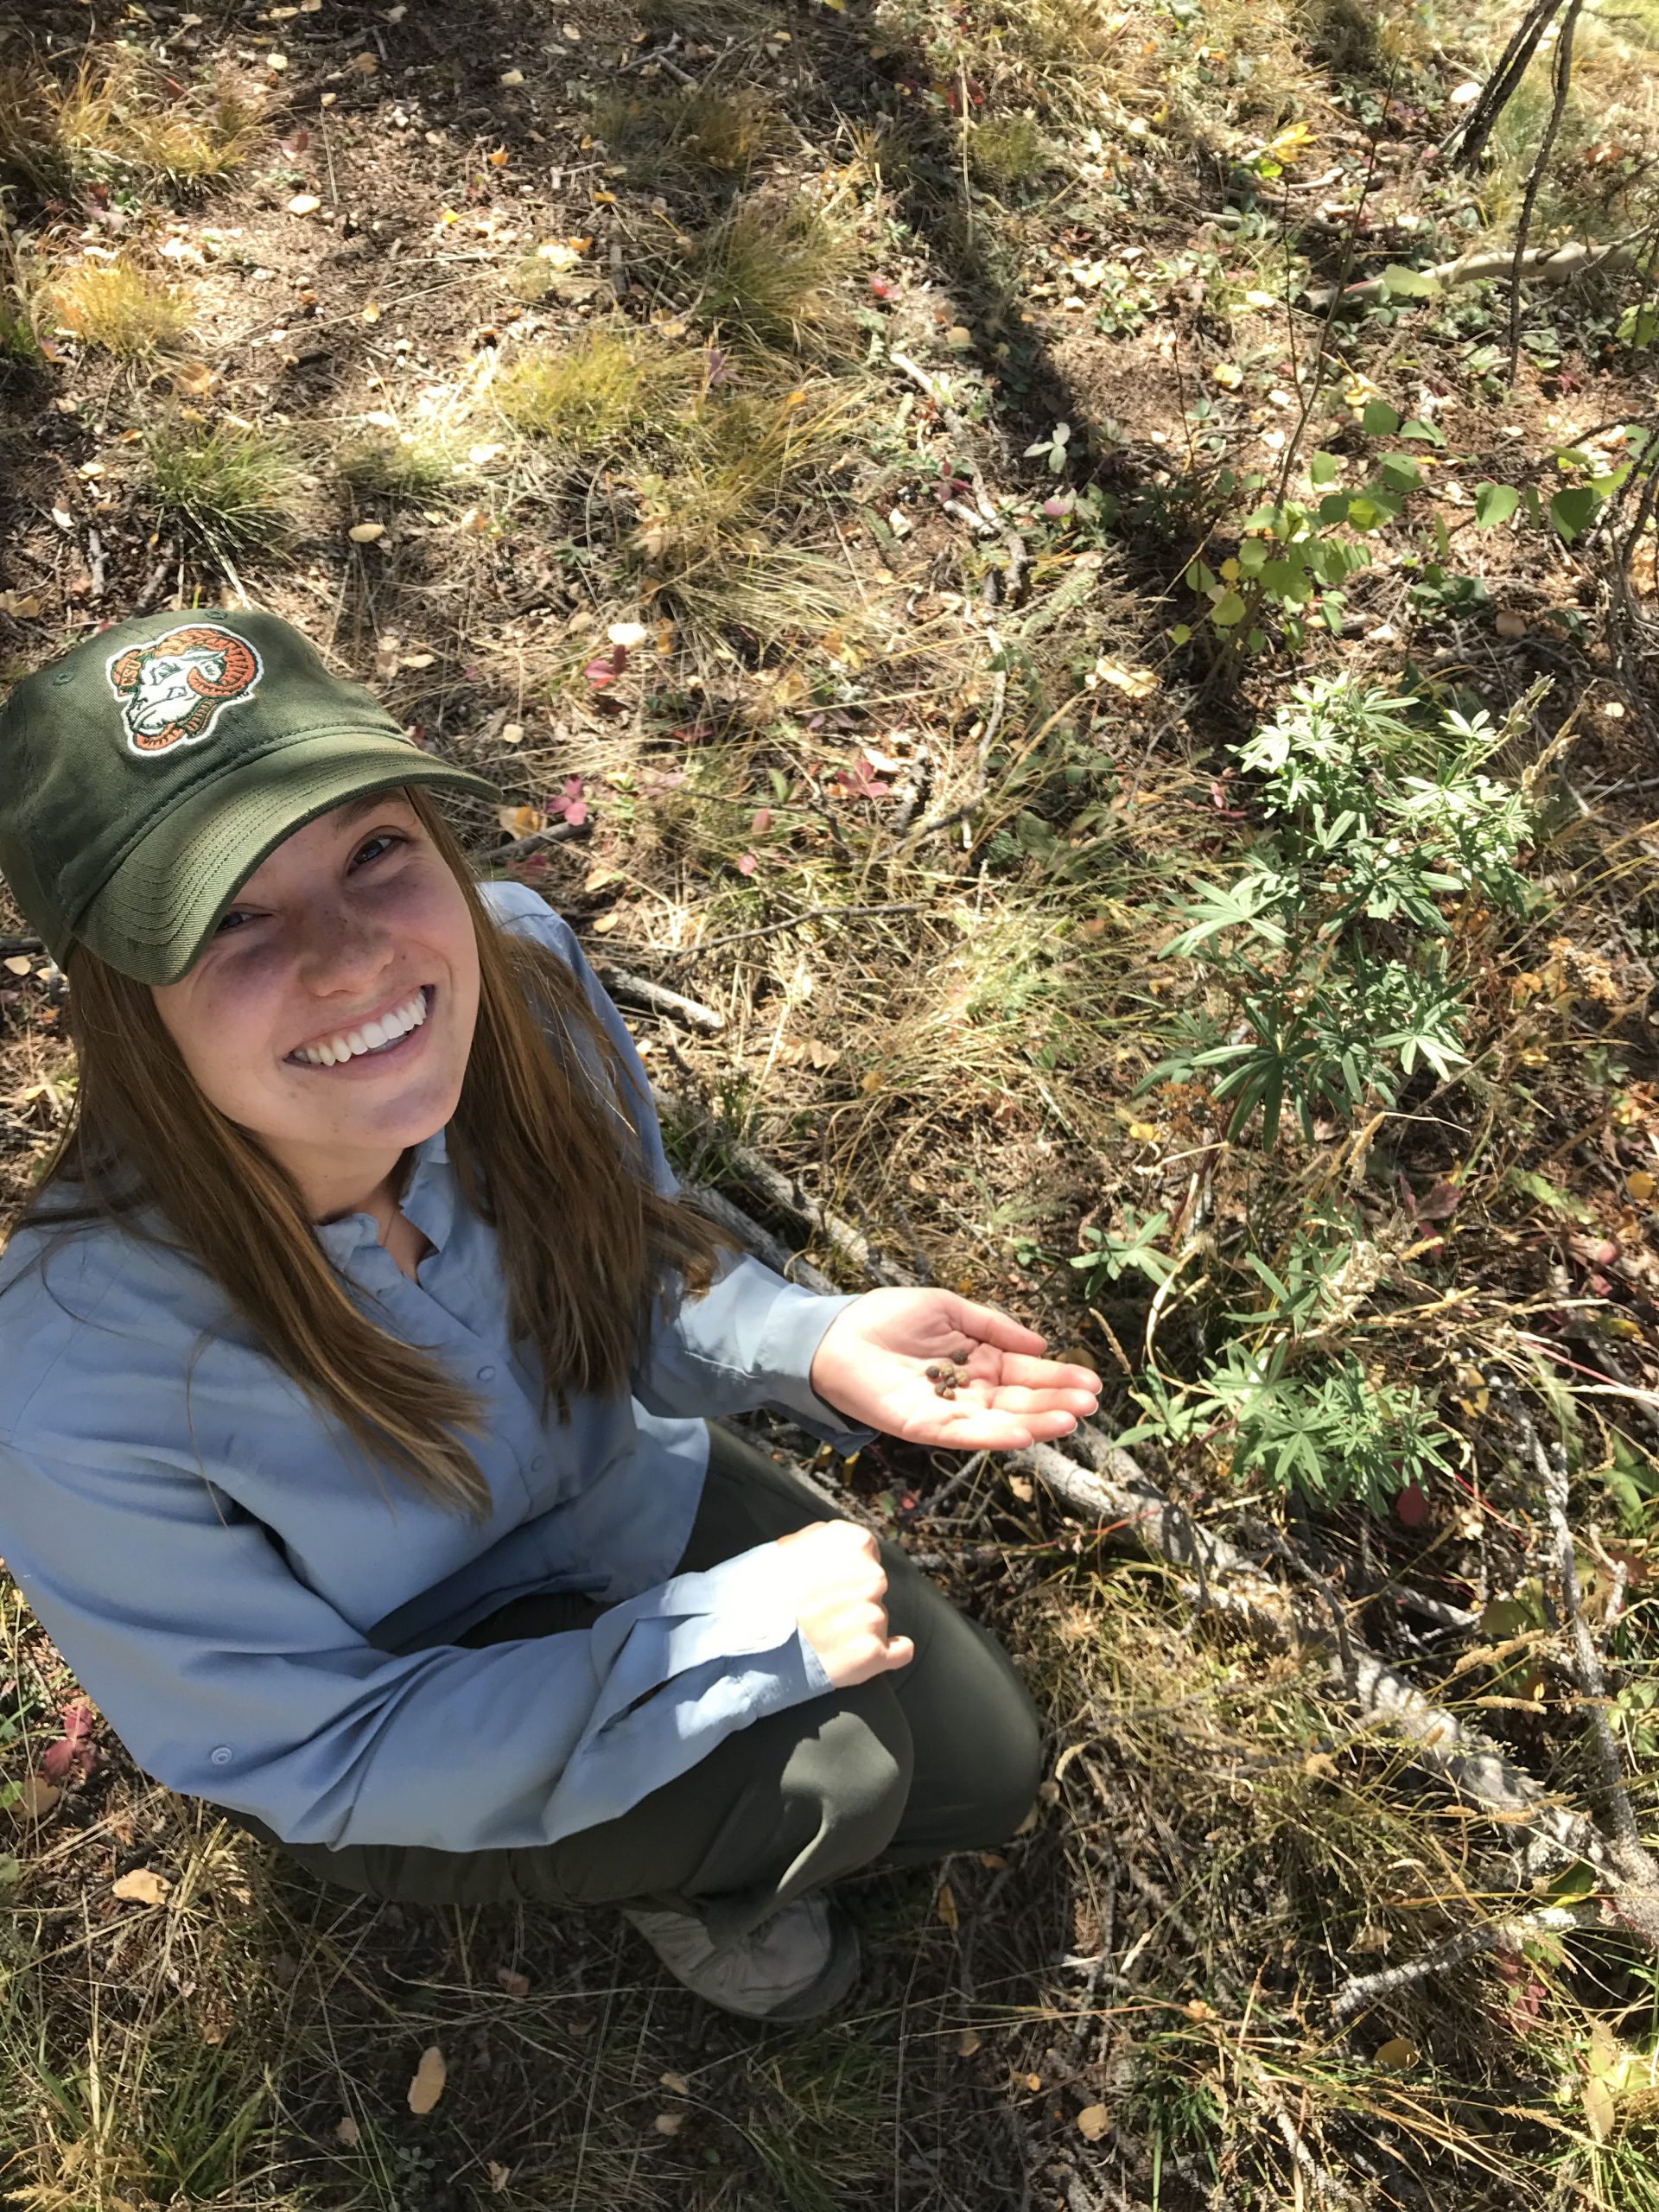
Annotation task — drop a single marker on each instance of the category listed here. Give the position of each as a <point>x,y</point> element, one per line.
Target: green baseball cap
<point>145,775</point>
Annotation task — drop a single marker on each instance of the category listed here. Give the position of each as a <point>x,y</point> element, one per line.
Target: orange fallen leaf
<point>947,1905</point>
<point>429,2077</point>
<point>142,1886</point>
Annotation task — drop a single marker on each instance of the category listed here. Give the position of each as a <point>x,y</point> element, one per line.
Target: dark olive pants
<point>943,1755</point>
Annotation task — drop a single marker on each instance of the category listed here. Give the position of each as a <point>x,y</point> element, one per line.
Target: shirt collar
<point>428,1200</point>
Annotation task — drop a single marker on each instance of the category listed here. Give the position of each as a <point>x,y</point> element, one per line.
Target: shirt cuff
<point>797,1326</point>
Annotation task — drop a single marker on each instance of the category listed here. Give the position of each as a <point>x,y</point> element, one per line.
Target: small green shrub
<point>767,274</point>
<point>1374,818</point>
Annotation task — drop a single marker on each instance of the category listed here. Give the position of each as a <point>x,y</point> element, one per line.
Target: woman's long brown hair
<point>545,1145</point>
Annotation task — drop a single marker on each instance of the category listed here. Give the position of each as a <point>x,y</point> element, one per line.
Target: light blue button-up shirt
<point>268,1619</point>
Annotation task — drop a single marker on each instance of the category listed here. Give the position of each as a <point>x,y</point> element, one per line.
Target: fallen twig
<point>1558,264</point>
<point>1366,1989</point>
<point>784,1191</point>
<point>622,983</point>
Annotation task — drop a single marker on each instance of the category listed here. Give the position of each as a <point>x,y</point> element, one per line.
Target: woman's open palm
<point>872,1364</point>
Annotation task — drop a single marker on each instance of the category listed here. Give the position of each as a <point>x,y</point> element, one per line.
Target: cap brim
<point>155,913</point>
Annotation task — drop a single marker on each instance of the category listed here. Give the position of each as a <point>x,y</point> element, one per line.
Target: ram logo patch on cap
<point>174,688</point>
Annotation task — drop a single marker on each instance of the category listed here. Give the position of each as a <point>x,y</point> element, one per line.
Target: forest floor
<point>874,484</point>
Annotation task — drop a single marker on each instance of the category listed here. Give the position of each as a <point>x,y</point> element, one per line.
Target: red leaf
<point>760,822</point>
<point>601,672</point>
<point>1411,1506</point>
<point>1441,1202</point>
<point>746,863</point>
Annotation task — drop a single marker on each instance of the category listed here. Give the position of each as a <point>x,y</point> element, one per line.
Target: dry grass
<point>766,276</point>
<point>681,134</point>
<point>122,307</point>
<point>606,389</point>
<point>121,120</point>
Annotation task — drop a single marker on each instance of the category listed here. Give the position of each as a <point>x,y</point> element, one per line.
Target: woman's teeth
<point>372,1037</point>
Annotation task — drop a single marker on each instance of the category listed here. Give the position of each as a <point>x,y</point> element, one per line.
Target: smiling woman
<point>358,1435</point>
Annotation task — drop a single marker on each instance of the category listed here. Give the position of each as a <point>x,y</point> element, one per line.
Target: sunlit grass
<point>602,391</point>
<point>121,307</point>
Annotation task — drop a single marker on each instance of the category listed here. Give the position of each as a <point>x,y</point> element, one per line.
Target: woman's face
<point>331,1013</point>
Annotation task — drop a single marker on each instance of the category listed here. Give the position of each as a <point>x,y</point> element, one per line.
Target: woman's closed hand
<point>834,1577</point>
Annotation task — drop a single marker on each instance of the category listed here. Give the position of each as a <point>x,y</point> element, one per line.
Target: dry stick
<point>781,1190</point>
<point>554,833</point>
<point>761,1242</point>
<point>1550,1466</point>
<point>1545,264</point>
<point>639,990</point>
<point>1562,79</point>
<point>1367,1989</point>
<point>1515,60</point>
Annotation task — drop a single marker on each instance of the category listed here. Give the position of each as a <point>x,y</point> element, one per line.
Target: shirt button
<point>486,1375</point>
<point>221,1754</point>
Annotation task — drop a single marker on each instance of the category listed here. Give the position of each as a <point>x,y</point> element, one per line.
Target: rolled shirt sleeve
<point>227,1678</point>
<point>749,1341</point>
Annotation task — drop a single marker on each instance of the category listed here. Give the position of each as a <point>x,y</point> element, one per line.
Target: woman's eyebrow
<point>354,810</point>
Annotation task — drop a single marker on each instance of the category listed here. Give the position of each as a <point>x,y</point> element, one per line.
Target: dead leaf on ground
<point>499,2176</point>
<point>1093,2122</point>
<point>1599,2108</point>
<point>39,1797</point>
<point>304,203</point>
<point>1510,625</point>
<point>143,1886</point>
<point>365,533</point>
<point>947,1905</point>
<point>515,1983</point>
<point>677,2082</point>
<point>21,606</point>
<point>347,2131</point>
<point>429,2077</point>
<point>521,821</point>
<point>668,2123</point>
<point>968,2043</point>
<point>1397,2055</point>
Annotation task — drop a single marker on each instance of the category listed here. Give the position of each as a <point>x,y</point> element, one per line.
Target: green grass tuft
<point>229,486</point>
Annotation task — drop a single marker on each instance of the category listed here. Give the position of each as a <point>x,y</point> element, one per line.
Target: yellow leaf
<point>371,314</point>
<point>512,79</point>
<point>365,533</point>
<point>1033,2082</point>
<point>1397,2055</point>
<point>1230,571</point>
<point>429,2077</point>
<point>946,1907</point>
<point>604,200</point>
<point>1640,1184</point>
<point>1132,682</point>
<point>870,1082</point>
<point>1598,2110</point>
<point>968,2043</point>
<point>521,821</point>
<point>1093,2122</point>
<point>1022,1490</point>
<point>21,606</point>
<point>39,1797</point>
<point>19,964</point>
<point>959,337</point>
<point>365,64</point>
<point>142,1886</point>
<point>602,924</point>
<point>1143,1133</point>
<point>1228,375</point>
<point>304,203</point>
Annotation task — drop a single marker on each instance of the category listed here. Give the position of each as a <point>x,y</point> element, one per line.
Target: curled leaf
<point>429,2077</point>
